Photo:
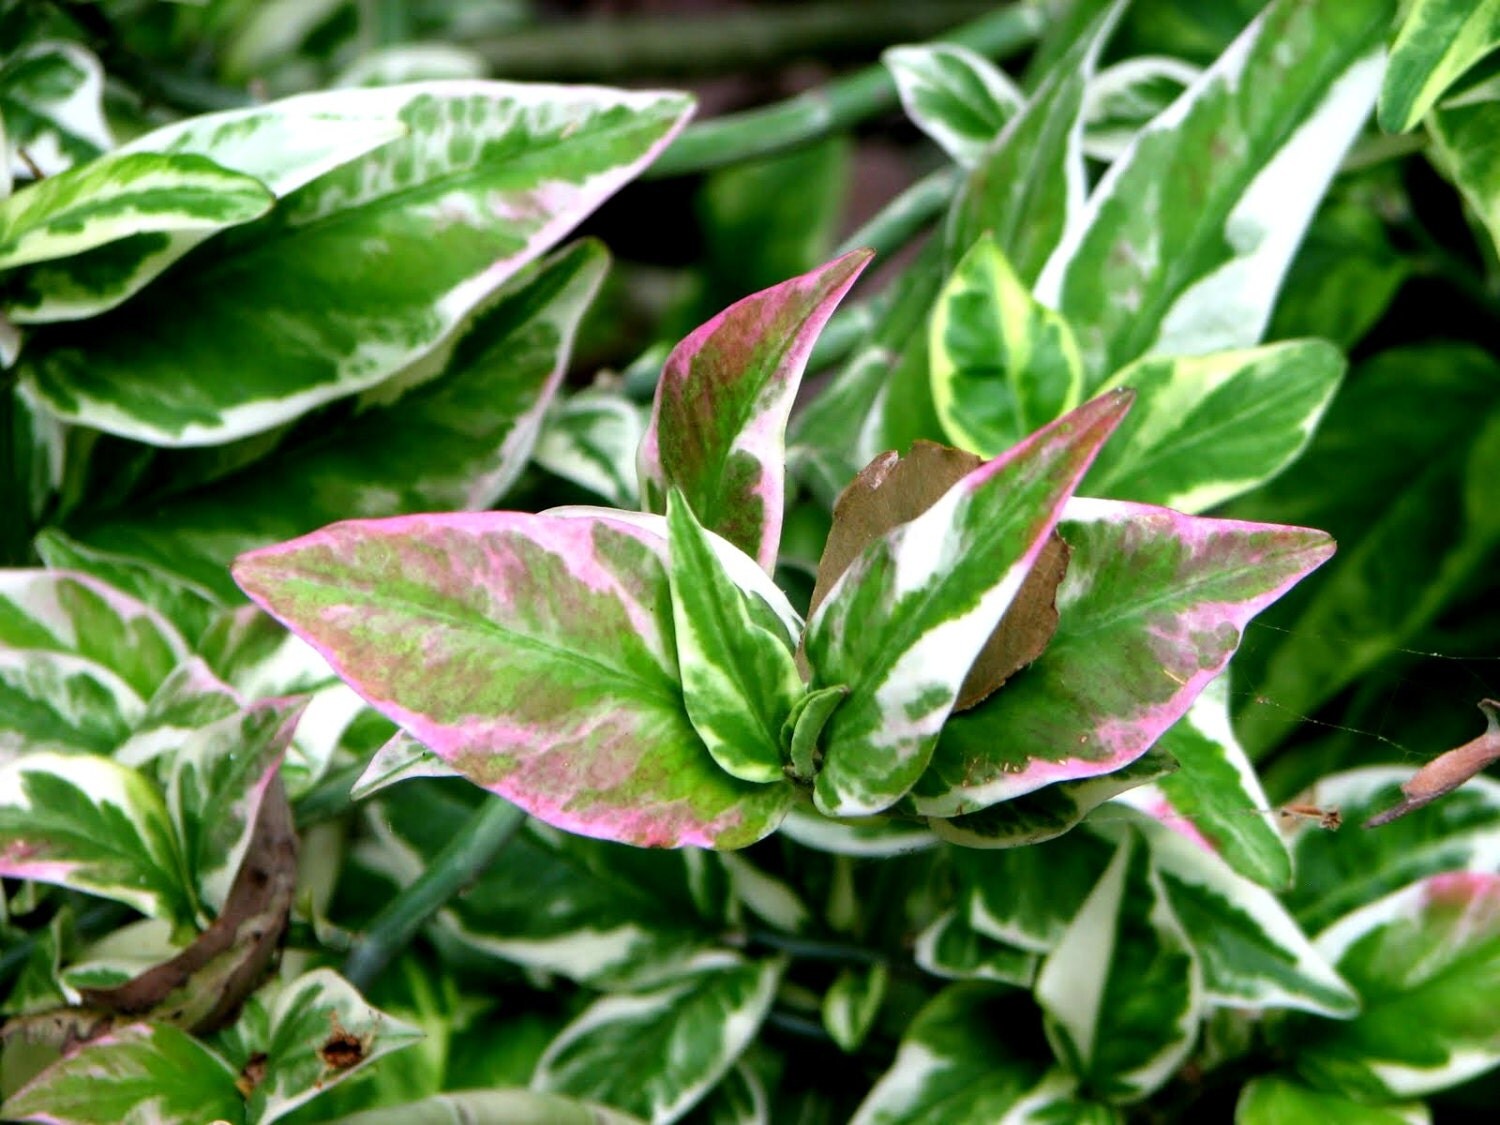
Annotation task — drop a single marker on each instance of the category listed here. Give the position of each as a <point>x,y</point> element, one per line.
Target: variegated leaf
<point>1002,365</point>
<point>293,1035</point>
<point>139,1072</point>
<point>1122,990</point>
<point>1027,896</point>
<point>1340,872</point>
<point>1215,795</point>
<point>718,426</point>
<point>88,823</point>
<point>401,759</point>
<point>120,195</point>
<point>1439,40</point>
<point>953,1065</point>
<point>1463,147</point>
<point>50,100</point>
<point>1186,238</point>
<point>852,1002</point>
<point>1151,610</point>
<point>1123,98</point>
<point>361,272</point>
<point>590,439</point>
<point>1206,428</point>
<point>613,1051</point>
<point>739,680</point>
<point>458,439</point>
<point>283,145</point>
<point>903,624</point>
<point>957,97</point>
<point>1428,958</point>
<point>447,624</point>
<point>951,947</point>
<point>1045,813</point>
<point>1252,953</point>
<point>491,1107</point>
<point>57,701</point>
<point>65,611</point>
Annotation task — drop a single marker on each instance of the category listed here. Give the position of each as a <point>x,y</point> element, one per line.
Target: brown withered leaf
<point>892,490</point>
<point>1448,771</point>
<point>203,987</point>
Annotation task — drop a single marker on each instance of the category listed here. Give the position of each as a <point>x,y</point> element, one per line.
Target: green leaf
<point>138,1072</point>
<point>1187,236</point>
<point>1439,40</point>
<point>1216,795</point>
<point>317,1032</point>
<point>1252,954</point>
<point>852,1002</point>
<point>952,948</point>
<point>457,439</point>
<point>1151,609</point>
<point>59,611</point>
<point>739,681</point>
<point>88,823</point>
<point>1002,365</point>
<point>1465,149</point>
<point>1206,428</point>
<point>904,623</point>
<point>1338,873</point>
<point>1425,957</point>
<point>1122,990</point>
<point>740,1099</point>
<point>1281,1101</point>
<point>953,1065</point>
<point>957,97</point>
<point>283,145</point>
<point>718,422</point>
<point>444,623</point>
<point>50,94</point>
<point>361,272</point>
<point>1027,187</point>
<point>402,758</point>
<point>656,1053</point>
<point>121,195</point>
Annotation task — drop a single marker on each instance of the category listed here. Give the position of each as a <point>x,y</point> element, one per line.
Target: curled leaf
<point>892,490</point>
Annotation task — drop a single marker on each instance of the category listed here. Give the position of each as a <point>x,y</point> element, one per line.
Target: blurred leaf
<point>1439,40</point>
<point>958,98</point>
<point>1280,1101</point>
<point>1122,99</point>
<point>1465,148</point>
<point>50,102</point>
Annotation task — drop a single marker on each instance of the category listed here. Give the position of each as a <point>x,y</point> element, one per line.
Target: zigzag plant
<point>633,676</point>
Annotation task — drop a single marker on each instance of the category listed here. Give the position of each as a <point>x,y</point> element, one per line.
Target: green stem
<point>757,39</point>
<point>468,853</point>
<point>832,108</point>
<point>906,216</point>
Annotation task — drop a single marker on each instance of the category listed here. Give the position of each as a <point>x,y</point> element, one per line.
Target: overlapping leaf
<point>1464,147</point>
<point>1427,957</point>
<point>456,440</point>
<point>905,622</point>
<point>1186,238</point>
<point>1278,1101</point>
<point>88,823</point>
<point>50,100</point>
<point>717,429</point>
<point>1150,612</point>
<point>360,272</point>
<point>698,1025</point>
<point>1122,989</point>
<point>532,653</point>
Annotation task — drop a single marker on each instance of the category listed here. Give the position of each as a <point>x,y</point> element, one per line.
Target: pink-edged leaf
<point>534,654</point>
<point>718,426</point>
<point>1151,610</point>
<point>905,622</point>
